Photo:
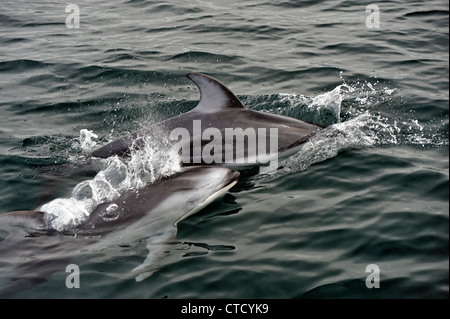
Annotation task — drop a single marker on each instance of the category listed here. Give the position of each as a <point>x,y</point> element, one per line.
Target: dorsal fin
<point>214,96</point>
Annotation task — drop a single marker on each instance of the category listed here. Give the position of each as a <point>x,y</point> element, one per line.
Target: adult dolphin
<point>256,137</point>
<point>253,137</point>
<point>30,250</point>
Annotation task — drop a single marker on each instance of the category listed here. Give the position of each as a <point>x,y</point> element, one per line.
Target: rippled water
<point>374,191</point>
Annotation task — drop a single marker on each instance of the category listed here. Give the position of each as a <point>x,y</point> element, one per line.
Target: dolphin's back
<point>218,108</point>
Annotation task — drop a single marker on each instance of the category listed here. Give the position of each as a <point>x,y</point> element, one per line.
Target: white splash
<point>363,125</point>
<point>352,134</point>
<point>147,164</point>
<point>362,129</point>
<point>324,109</point>
<point>87,143</point>
<point>63,213</point>
<point>328,102</point>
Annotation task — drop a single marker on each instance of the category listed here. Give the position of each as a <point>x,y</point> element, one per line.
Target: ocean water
<point>373,190</point>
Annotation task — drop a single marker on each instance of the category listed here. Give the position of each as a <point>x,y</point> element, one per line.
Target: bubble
<point>116,173</point>
<point>82,191</point>
<point>110,213</point>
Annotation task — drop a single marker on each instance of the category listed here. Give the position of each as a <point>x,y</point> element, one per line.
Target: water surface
<point>375,192</point>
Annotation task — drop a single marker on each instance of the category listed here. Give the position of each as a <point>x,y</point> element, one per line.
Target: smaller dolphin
<point>154,211</point>
<point>30,251</point>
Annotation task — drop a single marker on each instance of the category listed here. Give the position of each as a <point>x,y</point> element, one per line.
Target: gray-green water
<point>375,194</point>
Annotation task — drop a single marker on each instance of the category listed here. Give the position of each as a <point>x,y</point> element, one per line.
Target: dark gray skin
<point>30,252</point>
<point>184,191</point>
<point>218,108</point>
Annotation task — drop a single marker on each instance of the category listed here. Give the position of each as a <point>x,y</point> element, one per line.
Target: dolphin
<point>203,131</point>
<point>264,137</point>
<point>30,250</point>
